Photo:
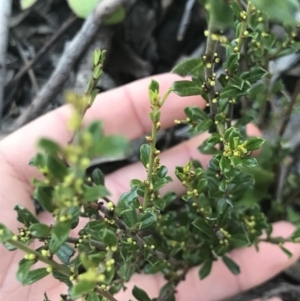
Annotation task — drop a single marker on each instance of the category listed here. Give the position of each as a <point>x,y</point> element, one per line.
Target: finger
<point>124,110</point>
<point>256,268</point>
<point>269,299</point>
<point>119,181</point>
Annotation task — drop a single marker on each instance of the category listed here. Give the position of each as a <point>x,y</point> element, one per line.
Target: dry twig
<point>5,12</point>
<point>50,43</point>
<point>71,54</point>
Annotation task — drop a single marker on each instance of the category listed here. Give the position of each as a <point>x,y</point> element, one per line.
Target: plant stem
<point>174,282</point>
<point>139,240</point>
<point>105,294</point>
<point>211,46</point>
<point>97,244</point>
<point>195,199</point>
<point>156,106</point>
<point>62,269</point>
<point>243,28</point>
<point>164,98</point>
<point>150,168</point>
<point>289,109</point>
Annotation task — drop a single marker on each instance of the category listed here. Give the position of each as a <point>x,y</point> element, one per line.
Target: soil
<point>151,40</point>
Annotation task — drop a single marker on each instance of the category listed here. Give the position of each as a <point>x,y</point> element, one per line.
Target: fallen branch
<point>50,43</point>
<point>71,54</point>
<point>5,12</point>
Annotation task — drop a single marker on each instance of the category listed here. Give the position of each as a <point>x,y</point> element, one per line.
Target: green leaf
<point>202,184</point>
<point>65,252</point>
<point>43,195</point>
<point>125,200</point>
<point>26,3</point>
<point>221,14</point>
<point>116,17</point>
<point>193,67</point>
<point>213,139</point>
<point>25,216</point>
<point>82,8</point>
<point>147,219</point>
<point>205,268</point>
<point>98,176</point>
<point>231,265</point>
<point>95,129</point>
<point>234,91</point>
<point>140,294</point>
<point>293,216</point>
<point>286,251</point>
<point>111,146</point>
<point>186,88</point>
<point>225,165</point>
<point>94,297</point>
<point>5,233</point>
<point>35,275</point>
<point>38,160</point>
<point>254,75</point>
<point>94,193</point>
<point>278,10</point>
<point>81,288</point>
<point>207,149</point>
<point>161,182</point>
<point>39,230</point>
<point>97,55</point>
<point>239,240</point>
<point>23,270</point>
<point>56,166</point>
<point>195,113</point>
<point>203,226</point>
<point>154,86</point>
<point>59,235</point>
<point>254,143</point>
<point>296,233</point>
<point>236,161</point>
<point>249,162</point>
<point>145,154</point>
<point>126,270</point>
<point>232,63</point>
<point>62,278</point>
<point>108,237</point>
<point>237,82</point>
<point>49,146</point>
<point>203,126</point>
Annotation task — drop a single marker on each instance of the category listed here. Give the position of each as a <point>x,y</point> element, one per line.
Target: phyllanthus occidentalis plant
<point>147,232</point>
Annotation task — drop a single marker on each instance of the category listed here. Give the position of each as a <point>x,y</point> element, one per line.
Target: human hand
<point>124,111</point>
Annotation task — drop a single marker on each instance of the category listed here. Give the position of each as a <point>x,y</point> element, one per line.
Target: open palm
<point>123,111</point>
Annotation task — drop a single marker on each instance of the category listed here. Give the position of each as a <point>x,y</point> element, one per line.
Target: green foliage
<point>281,11</point>
<point>151,230</point>
<point>83,9</point>
<point>27,3</point>
<point>140,294</point>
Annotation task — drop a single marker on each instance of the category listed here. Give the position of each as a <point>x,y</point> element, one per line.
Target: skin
<point>127,106</point>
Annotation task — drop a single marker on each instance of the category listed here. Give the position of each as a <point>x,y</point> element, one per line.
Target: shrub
<point>222,208</point>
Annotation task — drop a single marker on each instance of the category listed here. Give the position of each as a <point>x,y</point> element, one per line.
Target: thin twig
<point>139,240</point>
<point>50,43</point>
<point>25,61</point>
<point>185,20</point>
<point>5,12</point>
<point>71,54</point>
<point>97,244</point>
<point>167,293</point>
<point>105,294</point>
<point>211,45</point>
<point>289,111</point>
